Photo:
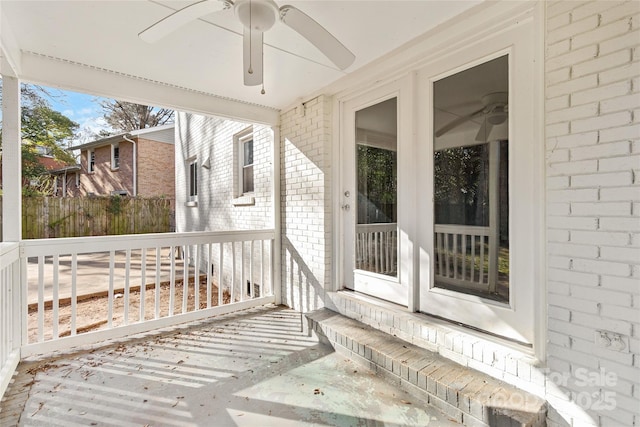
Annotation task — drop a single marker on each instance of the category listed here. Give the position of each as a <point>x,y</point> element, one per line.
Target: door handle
<point>346,207</point>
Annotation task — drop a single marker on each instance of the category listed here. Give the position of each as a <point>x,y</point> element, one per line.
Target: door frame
<point>486,20</point>
<point>402,90</point>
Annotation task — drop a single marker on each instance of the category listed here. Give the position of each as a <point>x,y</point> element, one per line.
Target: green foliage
<point>115,205</point>
<point>377,180</point>
<point>44,131</point>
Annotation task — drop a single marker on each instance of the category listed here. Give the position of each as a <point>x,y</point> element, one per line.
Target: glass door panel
<point>471,181</point>
<point>376,178</point>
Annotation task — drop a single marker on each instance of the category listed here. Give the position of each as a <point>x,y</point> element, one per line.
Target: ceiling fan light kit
<point>257,17</point>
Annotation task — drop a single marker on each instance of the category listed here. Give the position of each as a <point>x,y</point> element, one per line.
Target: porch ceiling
<point>206,56</point>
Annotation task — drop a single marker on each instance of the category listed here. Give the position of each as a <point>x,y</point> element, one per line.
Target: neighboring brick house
<point>224,178</point>
<point>136,163</point>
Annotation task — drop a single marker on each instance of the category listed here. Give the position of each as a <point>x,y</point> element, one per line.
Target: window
<point>193,180</point>
<point>91,161</point>
<point>246,164</point>
<point>115,156</point>
<point>471,183</point>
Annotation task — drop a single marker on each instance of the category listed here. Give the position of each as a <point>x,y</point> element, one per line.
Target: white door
<point>478,230</point>
<point>375,140</point>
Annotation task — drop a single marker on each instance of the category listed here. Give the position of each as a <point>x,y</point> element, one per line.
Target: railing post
<point>276,244</point>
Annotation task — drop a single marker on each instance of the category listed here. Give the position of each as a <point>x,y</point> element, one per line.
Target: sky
<point>81,108</point>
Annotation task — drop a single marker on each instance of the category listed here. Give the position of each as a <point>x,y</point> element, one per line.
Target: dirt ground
<point>92,310</point>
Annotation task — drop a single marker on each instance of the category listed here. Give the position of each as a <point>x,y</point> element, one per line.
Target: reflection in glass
<point>471,181</point>
<point>376,229</point>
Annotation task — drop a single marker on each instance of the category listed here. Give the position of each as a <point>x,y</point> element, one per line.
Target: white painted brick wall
<point>306,203</point>
<point>211,137</point>
<point>593,161</point>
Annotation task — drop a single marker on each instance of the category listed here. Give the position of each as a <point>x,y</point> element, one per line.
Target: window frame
<point>115,159</point>
<point>192,179</point>
<point>91,160</point>
<point>240,139</point>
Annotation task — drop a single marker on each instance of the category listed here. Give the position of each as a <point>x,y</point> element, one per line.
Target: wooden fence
<point>52,217</point>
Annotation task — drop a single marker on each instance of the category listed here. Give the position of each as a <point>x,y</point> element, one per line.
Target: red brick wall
<point>156,169</point>
<point>103,180</point>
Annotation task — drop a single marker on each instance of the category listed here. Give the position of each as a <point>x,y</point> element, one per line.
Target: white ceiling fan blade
<point>457,122</point>
<point>318,36</point>
<point>484,131</point>
<point>252,57</point>
<point>167,25</point>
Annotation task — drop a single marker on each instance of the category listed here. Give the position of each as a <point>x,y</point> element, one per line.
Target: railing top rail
<point>9,252</point>
<point>462,229</point>
<point>70,245</point>
<point>384,226</point>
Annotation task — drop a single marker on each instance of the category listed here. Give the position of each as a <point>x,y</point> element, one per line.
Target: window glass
<point>377,178</point>
<point>247,166</point>
<point>471,181</point>
<point>115,161</point>
<point>193,179</point>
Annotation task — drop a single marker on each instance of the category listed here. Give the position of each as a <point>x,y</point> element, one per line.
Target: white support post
<point>11,161</point>
<point>276,252</point>
<point>494,212</point>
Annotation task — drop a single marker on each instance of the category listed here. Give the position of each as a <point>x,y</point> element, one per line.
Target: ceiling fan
<point>495,109</point>
<point>256,16</point>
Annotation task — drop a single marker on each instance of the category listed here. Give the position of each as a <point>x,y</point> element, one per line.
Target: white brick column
<point>593,210</point>
<point>305,191</point>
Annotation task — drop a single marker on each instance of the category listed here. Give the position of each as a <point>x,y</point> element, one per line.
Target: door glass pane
<point>376,229</point>
<point>471,181</point>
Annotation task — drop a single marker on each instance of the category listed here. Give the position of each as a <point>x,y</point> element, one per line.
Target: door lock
<point>346,207</point>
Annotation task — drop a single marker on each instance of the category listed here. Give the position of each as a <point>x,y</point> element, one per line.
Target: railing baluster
<point>262,261</point>
<point>464,256</point>
<point>56,296</point>
<point>473,256</point>
<point>196,277</point>
<point>110,292</point>
<point>143,282</point>
<point>172,279</point>
<point>481,278</point>
<point>251,291</point>
<point>209,264</point>
<point>74,292</point>
<point>157,287</point>
<point>221,257</point>
<point>233,269</point>
<point>455,256</point>
<point>185,278</point>
<point>127,273</point>
<point>40,298</point>
<point>243,290</point>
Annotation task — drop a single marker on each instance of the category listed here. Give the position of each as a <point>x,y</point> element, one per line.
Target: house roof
<point>55,166</point>
<point>121,137</point>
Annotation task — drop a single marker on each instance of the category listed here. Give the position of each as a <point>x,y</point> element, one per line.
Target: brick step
<point>466,395</point>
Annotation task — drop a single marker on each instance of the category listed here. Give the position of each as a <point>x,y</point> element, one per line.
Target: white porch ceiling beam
<point>83,78</point>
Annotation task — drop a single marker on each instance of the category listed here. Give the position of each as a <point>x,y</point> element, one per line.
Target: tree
<point>126,116</point>
<point>44,131</point>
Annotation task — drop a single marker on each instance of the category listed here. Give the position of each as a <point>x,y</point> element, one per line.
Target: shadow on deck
<point>253,368</point>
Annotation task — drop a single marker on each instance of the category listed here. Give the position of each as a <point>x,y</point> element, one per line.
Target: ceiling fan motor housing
<point>257,15</point>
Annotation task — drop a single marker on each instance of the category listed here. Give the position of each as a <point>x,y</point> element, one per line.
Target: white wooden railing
<point>145,281</point>
<point>10,312</point>
<point>461,254</point>
<point>377,248</point>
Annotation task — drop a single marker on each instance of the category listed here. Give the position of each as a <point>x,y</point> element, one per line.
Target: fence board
<point>54,217</point>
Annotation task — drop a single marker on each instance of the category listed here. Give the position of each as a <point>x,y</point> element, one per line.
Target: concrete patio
<point>252,368</point>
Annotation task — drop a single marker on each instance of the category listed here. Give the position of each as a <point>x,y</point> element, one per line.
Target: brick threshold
<point>470,397</point>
